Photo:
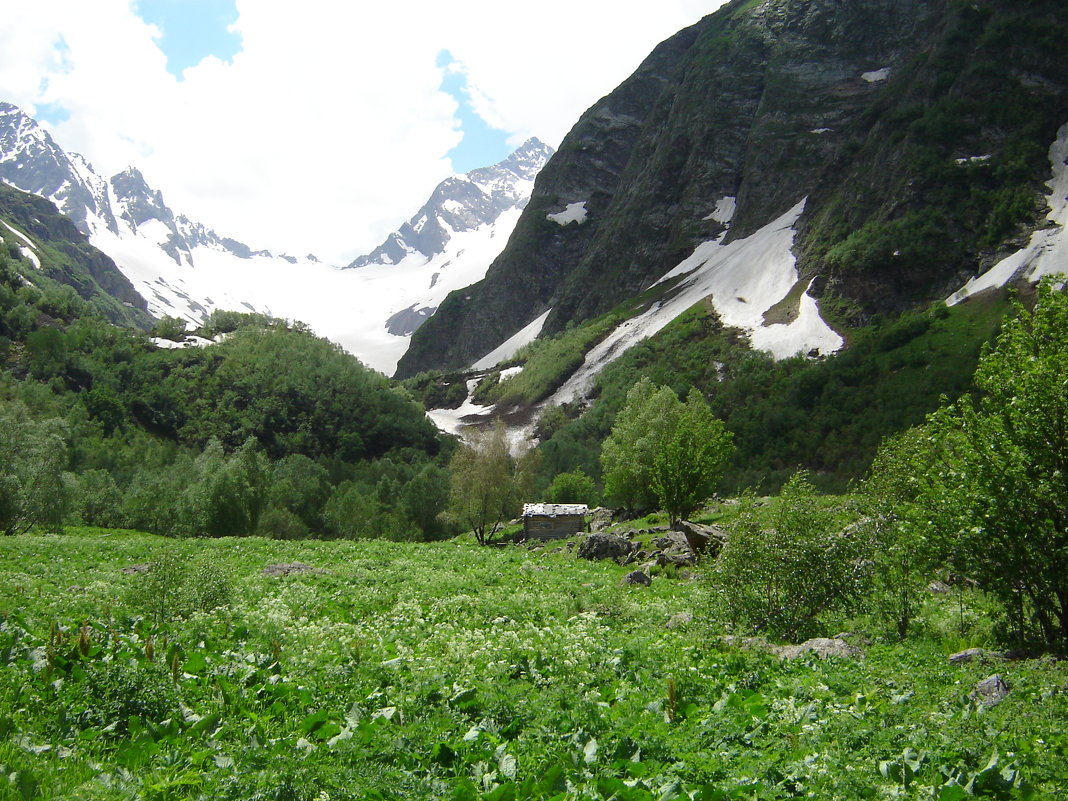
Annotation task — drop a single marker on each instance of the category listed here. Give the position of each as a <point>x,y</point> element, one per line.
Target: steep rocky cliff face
<point>917,129</point>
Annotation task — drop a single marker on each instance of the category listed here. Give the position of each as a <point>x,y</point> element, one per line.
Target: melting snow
<point>876,76</point>
<point>744,279</point>
<point>574,213</point>
<point>724,211</point>
<point>507,349</point>
<point>29,254</point>
<point>1047,251</point>
<point>975,159</point>
<point>820,130</point>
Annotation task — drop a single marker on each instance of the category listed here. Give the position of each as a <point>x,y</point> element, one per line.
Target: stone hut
<point>553,521</point>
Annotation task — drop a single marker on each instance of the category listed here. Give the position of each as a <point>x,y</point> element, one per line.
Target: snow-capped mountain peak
<point>463,203</point>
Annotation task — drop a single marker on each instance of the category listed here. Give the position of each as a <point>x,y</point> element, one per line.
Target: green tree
<point>903,549</point>
<point>691,458</point>
<point>996,489</point>
<point>664,452</point>
<point>573,487</point>
<point>484,488</point>
<point>34,491</point>
<point>641,426</point>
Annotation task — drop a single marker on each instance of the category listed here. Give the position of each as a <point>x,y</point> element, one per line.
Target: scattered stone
<point>637,577</point>
<point>676,558</point>
<point>702,538</point>
<point>130,570</point>
<point>600,519</point>
<point>991,691</point>
<point>605,546</point>
<point>823,647</point>
<point>962,657</point>
<point>679,620</point>
<point>672,541</point>
<point>289,568</point>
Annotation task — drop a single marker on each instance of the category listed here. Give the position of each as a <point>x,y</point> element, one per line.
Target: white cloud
<point>329,127</point>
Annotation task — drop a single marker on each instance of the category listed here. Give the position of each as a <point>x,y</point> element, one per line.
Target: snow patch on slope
<point>1047,251</point>
<point>507,349</point>
<point>573,213</point>
<point>743,279</point>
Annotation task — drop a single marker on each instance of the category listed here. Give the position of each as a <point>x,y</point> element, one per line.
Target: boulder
<point>600,519</point>
<point>638,578</point>
<point>991,691</point>
<point>823,647</point>
<point>702,538</point>
<point>679,620</point>
<point>289,568</point>
<point>605,546</point>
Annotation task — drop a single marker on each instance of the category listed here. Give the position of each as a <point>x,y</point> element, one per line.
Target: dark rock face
<point>862,107</point>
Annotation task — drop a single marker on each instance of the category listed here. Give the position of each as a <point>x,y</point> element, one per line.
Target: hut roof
<point>554,509</point>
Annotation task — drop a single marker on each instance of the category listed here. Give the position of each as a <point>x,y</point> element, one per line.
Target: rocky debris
<point>938,587</point>
<point>637,577</point>
<point>823,647</point>
<point>605,546</point>
<point>991,691</point>
<point>600,519</point>
<point>702,538</point>
<point>289,568</point>
<point>131,570</point>
<point>677,621</point>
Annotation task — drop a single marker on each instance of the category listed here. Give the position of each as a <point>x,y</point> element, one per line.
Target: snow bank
<point>876,76</point>
<point>507,349</point>
<point>724,211</point>
<point>574,213</point>
<point>1047,251</point>
<point>744,279</point>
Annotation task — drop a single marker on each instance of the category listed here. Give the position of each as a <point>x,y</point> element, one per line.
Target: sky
<point>317,126</point>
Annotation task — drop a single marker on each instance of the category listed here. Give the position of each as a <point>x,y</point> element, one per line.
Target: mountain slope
<point>33,228</point>
<point>917,130</point>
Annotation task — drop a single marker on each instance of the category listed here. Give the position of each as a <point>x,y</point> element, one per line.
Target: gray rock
<point>823,647</point>
<point>677,621</point>
<point>638,578</point>
<point>605,546</point>
<point>968,655</point>
<point>600,519</point>
<point>289,568</point>
<point>938,588</point>
<point>991,691</point>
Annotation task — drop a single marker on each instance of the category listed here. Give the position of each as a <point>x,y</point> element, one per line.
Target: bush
<point>788,569</point>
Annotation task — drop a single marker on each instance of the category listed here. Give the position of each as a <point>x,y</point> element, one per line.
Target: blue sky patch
<point>192,30</point>
<point>52,113</point>
<point>482,145</point>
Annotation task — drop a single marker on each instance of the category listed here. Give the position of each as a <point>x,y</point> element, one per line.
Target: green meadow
<point>451,671</point>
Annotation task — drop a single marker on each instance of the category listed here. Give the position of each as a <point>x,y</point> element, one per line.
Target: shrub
<point>787,569</point>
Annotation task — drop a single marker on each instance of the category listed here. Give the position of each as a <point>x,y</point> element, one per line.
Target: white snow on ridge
<point>724,211</point>
<point>509,348</point>
<point>574,213</point>
<point>1047,251</point>
<point>744,279</point>
<point>876,76</point>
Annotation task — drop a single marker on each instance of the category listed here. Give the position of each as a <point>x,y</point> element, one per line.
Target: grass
<point>450,671</point>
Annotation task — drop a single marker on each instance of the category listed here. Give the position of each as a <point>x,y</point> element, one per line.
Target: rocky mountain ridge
<point>463,203</point>
<point>916,132</point>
